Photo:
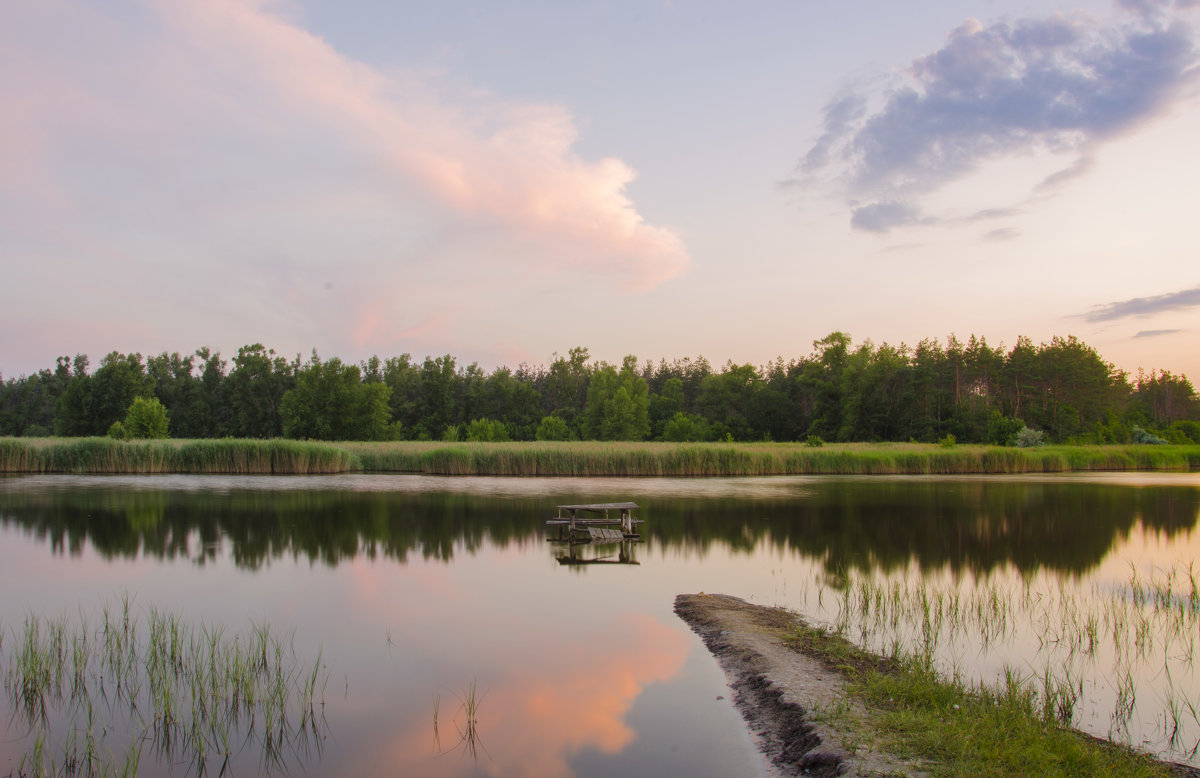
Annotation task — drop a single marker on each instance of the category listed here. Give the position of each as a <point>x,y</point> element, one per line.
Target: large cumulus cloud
<point>255,179</point>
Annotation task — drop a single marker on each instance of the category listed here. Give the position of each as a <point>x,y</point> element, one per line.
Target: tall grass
<point>955,728</point>
<point>191,694</point>
<point>751,459</point>
<point>240,456</point>
<point>1120,658</point>
<point>233,456</point>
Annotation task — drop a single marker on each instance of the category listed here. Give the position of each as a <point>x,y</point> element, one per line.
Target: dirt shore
<point>791,701</point>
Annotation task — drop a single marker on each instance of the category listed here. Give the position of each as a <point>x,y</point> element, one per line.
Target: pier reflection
<point>586,552</point>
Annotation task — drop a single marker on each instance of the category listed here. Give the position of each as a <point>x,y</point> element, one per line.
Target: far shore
<point>585,458</point>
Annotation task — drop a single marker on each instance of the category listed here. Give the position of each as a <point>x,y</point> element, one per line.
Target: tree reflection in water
<point>972,525</point>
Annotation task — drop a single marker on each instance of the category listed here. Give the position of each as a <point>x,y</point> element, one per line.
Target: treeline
<point>1063,390</point>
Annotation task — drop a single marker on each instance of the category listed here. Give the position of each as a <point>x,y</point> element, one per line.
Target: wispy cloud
<point>1062,83</point>
<point>1001,234</point>
<point>1155,333</point>
<point>1077,169</point>
<point>883,216</point>
<point>1146,306</point>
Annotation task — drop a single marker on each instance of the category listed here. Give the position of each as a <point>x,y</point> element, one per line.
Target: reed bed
<point>94,696</point>
<point>277,456</point>
<point>280,457</point>
<point>756,459</point>
<point>230,456</point>
<point>1119,660</point>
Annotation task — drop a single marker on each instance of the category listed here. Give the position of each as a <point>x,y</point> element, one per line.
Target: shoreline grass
<point>1124,650</point>
<point>280,457</point>
<point>951,728</point>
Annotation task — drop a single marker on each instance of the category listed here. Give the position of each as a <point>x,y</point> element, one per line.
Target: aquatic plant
<point>1129,651</point>
<point>92,696</point>
<point>467,723</point>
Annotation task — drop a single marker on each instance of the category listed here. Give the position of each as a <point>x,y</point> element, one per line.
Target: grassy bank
<point>950,728</point>
<point>104,455</point>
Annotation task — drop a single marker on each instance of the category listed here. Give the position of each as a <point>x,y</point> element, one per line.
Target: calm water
<point>416,590</point>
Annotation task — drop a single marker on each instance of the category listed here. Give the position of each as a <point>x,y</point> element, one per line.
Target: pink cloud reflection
<point>557,699</point>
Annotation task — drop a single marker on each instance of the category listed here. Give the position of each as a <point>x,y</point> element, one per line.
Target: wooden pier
<point>604,522</point>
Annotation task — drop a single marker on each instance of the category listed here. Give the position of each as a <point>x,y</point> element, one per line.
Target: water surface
<point>418,589</point>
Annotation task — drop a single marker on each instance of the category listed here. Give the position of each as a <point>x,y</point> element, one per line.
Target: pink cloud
<point>509,165</point>
<point>236,164</point>
<point>512,355</point>
<point>375,328</point>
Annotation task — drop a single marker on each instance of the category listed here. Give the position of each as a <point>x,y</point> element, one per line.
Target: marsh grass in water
<point>466,723</point>
<point>1067,656</point>
<point>105,455</point>
<point>92,698</point>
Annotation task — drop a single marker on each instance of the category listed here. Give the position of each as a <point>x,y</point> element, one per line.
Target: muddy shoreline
<point>787,698</point>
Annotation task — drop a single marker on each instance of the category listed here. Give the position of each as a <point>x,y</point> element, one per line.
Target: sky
<point>505,181</point>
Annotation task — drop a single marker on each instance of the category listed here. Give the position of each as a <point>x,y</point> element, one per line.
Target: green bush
<point>1189,429</point>
<point>948,442</point>
<point>1028,438</point>
<point>117,431</point>
<point>1142,437</point>
<point>1003,431</point>
<point>814,441</point>
<point>147,418</point>
<point>684,427</point>
<point>553,428</point>
<point>487,431</point>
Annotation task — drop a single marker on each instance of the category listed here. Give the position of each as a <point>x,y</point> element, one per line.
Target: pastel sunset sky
<point>503,181</point>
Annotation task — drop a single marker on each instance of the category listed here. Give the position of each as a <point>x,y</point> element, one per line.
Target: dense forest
<point>1062,390</point>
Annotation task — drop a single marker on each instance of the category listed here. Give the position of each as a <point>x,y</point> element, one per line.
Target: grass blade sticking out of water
<point>466,722</point>
<point>190,693</point>
<point>437,739</point>
<point>469,731</point>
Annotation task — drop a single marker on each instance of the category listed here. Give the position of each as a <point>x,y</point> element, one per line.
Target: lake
<point>439,632</point>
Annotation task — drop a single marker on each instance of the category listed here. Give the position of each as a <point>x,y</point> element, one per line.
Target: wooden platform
<point>597,521</point>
